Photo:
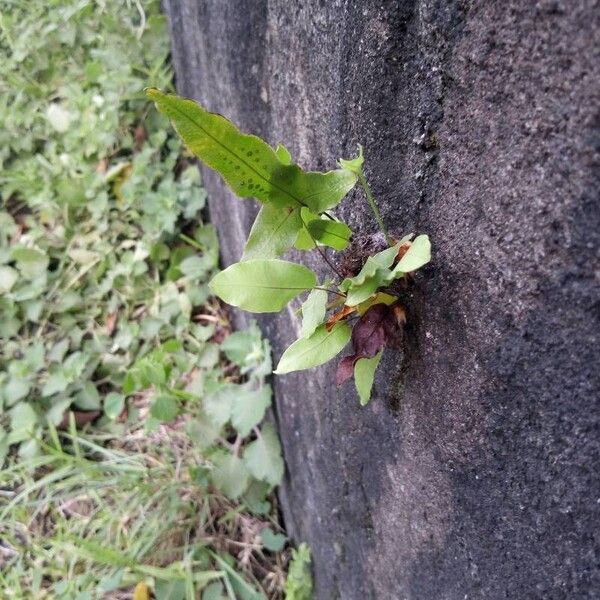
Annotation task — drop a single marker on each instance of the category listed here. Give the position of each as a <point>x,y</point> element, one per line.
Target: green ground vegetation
<point>135,457</point>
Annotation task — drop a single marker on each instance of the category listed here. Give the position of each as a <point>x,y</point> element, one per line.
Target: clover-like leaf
<point>259,285</point>
<point>230,474</point>
<point>263,457</point>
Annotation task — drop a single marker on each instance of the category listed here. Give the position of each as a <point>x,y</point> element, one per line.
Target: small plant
<point>296,213</point>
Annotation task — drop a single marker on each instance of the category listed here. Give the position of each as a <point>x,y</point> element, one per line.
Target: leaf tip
<point>152,93</point>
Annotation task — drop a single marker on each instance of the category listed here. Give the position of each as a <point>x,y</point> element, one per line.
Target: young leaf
<point>354,165</point>
<point>381,260</point>
<point>263,457</point>
<point>248,408</point>
<point>416,256</point>
<point>315,350</point>
<point>358,294</point>
<point>364,373</point>
<point>274,232</point>
<point>259,285</point>
<point>313,312</point>
<point>298,585</point>
<point>330,233</point>
<point>248,164</point>
<point>374,273</point>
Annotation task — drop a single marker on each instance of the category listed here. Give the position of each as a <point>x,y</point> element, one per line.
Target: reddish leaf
<point>82,417</point>
<point>335,317</point>
<point>403,250</point>
<point>345,368</point>
<point>368,335</point>
<point>111,321</point>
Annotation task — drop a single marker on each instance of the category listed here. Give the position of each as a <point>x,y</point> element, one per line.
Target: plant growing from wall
<point>361,303</point>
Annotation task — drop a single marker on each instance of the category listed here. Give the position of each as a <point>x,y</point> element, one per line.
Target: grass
<point>136,462</point>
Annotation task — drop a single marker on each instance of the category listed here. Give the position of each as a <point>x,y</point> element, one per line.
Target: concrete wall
<point>474,472</point>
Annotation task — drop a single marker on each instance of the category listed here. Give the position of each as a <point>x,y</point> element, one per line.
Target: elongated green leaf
<point>315,350</point>
<point>364,374</point>
<point>274,232</point>
<point>248,164</point>
<point>259,285</point>
<point>416,256</point>
<point>330,233</point>
<point>313,312</point>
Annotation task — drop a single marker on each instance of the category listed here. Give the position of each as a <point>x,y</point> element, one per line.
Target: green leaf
<point>230,474</point>
<point>164,407</point>
<point>304,241</point>
<point>248,164</point>
<point>30,262</point>
<point>114,404</point>
<point>238,346</point>
<point>263,457</point>
<point>217,404</point>
<point>354,165</point>
<point>8,278</point>
<point>274,232</point>
<point>23,420</point>
<point>298,585</point>
<point>416,256</point>
<point>262,285</point>
<point>87,398</point>
<point>357,294</point>
<point>364,374</point>
<point>315,350</point>
<point>15,389</point>
<point>248,408</point>
<point>373,275</point>
<point>194,266</point>
<point>56,382</point>
<point>330,233</point>
<point>272,541</point>
<point>313,312</point>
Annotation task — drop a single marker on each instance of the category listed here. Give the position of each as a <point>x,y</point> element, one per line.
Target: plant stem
<point>365,185</point>
<point>330,291</point>
<point>321,252</point>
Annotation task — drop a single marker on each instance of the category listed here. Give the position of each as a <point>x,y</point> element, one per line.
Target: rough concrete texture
<point>474,472</point>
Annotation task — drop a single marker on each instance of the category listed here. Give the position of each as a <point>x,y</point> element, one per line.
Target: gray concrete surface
<point>474,472</point>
